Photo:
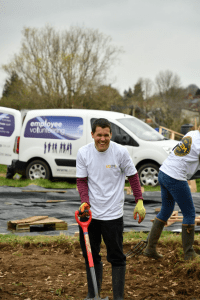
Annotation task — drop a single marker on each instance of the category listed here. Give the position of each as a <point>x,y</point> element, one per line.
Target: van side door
<point>10,128</point>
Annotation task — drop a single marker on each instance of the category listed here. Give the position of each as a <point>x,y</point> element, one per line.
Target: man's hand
<point>140,210</point>
<point>84,206</point>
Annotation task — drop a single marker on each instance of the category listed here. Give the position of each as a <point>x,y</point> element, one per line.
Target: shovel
<point>84,226</point>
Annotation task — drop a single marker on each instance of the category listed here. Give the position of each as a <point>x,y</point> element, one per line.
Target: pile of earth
<point>56,271</point>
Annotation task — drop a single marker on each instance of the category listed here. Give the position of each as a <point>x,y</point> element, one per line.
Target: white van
<point>45,143</point>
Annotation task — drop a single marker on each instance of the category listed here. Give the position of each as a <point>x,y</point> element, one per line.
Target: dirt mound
<point>56,271</point>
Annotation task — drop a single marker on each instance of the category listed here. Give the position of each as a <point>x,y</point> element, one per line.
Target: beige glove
<point>140,210</point>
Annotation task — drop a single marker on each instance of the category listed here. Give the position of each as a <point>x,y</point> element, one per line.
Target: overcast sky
<point>156,35</point>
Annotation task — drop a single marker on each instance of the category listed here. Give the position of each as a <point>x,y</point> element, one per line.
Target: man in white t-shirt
<point>101,170</point>
<point>179,167</point>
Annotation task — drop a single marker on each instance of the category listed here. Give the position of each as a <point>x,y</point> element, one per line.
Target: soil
<point>57,271</point>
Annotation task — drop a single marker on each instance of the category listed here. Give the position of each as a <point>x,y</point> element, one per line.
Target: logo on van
<point>61,148</point>
<point>7,124</point>
<point>54,127</point>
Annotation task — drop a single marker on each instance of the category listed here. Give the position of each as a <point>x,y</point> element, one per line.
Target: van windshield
<point>141,129</point>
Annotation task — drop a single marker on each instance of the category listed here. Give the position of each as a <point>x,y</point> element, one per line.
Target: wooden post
<point>172,135</point>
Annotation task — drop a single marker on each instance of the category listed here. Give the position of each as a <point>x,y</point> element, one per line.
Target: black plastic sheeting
<point>15,204</point>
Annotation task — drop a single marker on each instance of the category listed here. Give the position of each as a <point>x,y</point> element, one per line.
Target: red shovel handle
<point>84,225</point>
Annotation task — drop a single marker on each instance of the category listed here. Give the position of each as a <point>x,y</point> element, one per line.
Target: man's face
<point>102,138</point>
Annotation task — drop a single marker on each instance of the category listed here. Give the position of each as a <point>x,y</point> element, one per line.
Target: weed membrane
<point>18,203</point>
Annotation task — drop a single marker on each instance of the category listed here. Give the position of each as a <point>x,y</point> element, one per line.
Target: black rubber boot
<point>99,273</point>
<point>188,241</point>
<point>153,238</point>
<point>118,281</point>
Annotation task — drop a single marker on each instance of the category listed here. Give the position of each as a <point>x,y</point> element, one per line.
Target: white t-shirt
<point>183,161</point>
<point>106,172</point>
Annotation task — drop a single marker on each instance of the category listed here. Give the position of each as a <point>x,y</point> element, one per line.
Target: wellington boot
<point>118,281</point>
<point>99,273</point>
<point>188,241</point>
<point>153,238</point>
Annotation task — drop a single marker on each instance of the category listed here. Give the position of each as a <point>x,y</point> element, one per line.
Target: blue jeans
<point>173,190</point>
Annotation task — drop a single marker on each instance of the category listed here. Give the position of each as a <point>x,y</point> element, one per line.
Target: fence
<point>169,133</point>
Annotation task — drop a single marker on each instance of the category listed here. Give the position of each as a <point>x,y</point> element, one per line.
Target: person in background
<point>101,170</point>
<point>179,167</point>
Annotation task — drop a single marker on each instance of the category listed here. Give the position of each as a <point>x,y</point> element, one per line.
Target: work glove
<point>84,206</point>
<point>140,210</point>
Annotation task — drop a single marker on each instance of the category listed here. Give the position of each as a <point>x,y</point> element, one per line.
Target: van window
<point>54,127</point>
<point>7,124</point>
<point>141,129</point>
<point>119,135</point>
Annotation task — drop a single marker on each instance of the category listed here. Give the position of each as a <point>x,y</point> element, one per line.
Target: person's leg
<point>167,185</point>
<point>181,194</point>
<point>188,241</point>
<point>112,232</point>
<point>183,197</point>
<point>94,231</point>
<point>160,220</point>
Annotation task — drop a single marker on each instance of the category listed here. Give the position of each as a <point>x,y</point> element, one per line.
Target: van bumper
<point>17,166</point>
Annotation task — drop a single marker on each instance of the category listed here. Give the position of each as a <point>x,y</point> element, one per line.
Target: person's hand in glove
<point>84,206</point>
<point>140,210</point>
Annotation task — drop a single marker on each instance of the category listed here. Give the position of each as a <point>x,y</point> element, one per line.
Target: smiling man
<point>101,170</point>
<point>102,138</point>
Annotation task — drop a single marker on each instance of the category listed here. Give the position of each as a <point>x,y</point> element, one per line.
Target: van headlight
<point>167,149</point>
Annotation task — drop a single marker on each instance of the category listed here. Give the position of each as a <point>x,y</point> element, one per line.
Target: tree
<point>166,83</point>
<point>147,86</point>
<point>17,95</point>
<point>171,95</point>
<point>192,89</point>
<point>13,86</point>
<point>63,66</point>
<point>104,98</point>
<point>138,92</point>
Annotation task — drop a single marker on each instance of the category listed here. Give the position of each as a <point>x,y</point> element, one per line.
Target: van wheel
<point>38,169</point>
<point>148,174</point>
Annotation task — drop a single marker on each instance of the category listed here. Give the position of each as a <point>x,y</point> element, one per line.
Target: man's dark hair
<point>103,123</point>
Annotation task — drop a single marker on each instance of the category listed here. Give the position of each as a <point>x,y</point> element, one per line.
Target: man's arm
<point>82,183</point>
<point>82,186</point>
<point>136,188</point>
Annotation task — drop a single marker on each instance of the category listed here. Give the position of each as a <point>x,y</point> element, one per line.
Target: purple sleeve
<point>136,188</point>
<point>82,186</point>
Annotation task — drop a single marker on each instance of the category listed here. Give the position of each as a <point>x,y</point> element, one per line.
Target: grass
<point>40,240</point>
<point>62,184</point>
<point>39,182</point>
<point>166,238</point>
<point>3,169</point>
